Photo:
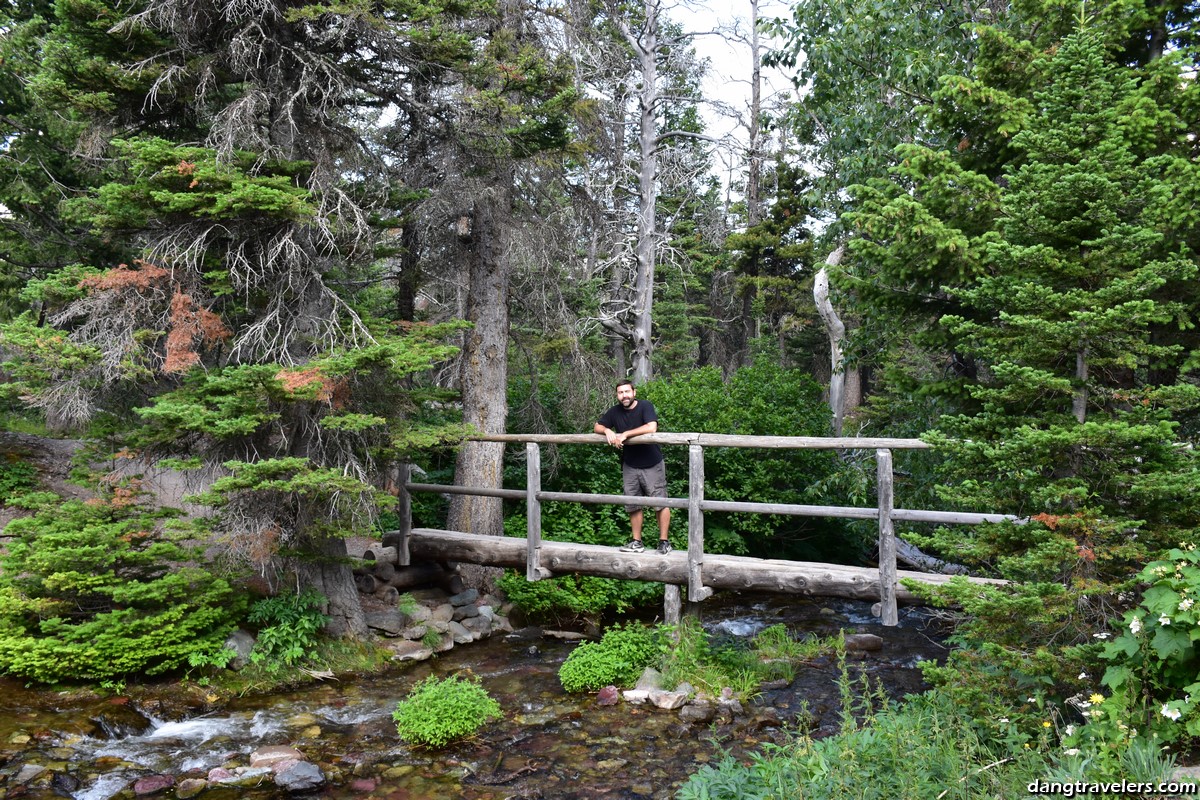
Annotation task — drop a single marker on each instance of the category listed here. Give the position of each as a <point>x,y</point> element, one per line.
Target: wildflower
<point>1071,751</point>
<point>1170,713</point>
<point>1164,620</point>
<point>1004,719</point>
<point>1103,635</point>
<point>1097,699</point>
<point>1186,603</point>
<point>1069,730</point>
<point>1030,699</point>
<point>1135,625</point>
<point>1083,676</point>
<point>1046,724</point>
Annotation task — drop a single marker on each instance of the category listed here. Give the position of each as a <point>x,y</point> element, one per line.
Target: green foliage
<point>618,659</point>
<point>762,399</point>
<point>437,712</point>
<point>921,749</point>
<point>16,478</point>
<point>97,590</point>
<point>288,629</point>
<point>1153,663</point>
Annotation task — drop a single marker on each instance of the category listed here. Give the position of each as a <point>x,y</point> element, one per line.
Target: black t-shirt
<point>620,420</point>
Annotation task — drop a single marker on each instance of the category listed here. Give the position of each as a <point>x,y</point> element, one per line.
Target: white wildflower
<point>1170,713</point>
<point>1135,625</point>
<point>1071,751</point>
<point>1164,620</point>
<point>1069,730</point>
<point>1186,603</point>
<point>1103,635</point>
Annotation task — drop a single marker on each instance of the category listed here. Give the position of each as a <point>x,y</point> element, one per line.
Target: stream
<point>549,744</point>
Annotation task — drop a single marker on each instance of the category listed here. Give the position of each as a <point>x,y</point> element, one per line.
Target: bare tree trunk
<point>1080,400</point>
<point>645,45</point>
<point>484,367</point>
<point>754,203</point>
<point>836,331</point>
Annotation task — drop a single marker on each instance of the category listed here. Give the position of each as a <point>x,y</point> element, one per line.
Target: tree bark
<point>484,368</point>
<point>330,574</point>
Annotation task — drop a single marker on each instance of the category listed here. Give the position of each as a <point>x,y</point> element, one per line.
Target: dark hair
<point>626,381</point>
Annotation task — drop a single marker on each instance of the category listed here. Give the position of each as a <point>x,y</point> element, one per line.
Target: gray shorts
<point>648,482</point>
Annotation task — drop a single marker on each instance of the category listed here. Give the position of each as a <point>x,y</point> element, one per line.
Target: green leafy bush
<point>16,478</point>
<point>437,712</point>
<point>1153,661</point>
<point>290,624</point>
<point>617,659</point>
<point>97,590</point>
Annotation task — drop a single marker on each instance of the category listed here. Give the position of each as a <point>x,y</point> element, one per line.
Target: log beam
<point>720,571</point>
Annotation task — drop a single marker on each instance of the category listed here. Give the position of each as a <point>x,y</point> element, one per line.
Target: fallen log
<point>719,571</point>
<point>381,554</point>
<point>418,575</point>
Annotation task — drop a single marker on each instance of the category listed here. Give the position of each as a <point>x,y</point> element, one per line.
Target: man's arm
<point>617,440</point>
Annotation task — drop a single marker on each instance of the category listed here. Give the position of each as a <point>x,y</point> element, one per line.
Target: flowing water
<point>549,745</point>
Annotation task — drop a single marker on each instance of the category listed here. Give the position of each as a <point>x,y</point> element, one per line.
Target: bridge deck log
<point>718,571</point>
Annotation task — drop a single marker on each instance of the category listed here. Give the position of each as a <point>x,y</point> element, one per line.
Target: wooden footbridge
<point>701,573</point>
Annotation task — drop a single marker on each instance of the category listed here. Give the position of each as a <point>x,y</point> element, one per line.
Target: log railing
<point>696,505</point>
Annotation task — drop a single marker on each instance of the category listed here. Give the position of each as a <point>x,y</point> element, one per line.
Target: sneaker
<point>635,546</point>
<point>664,546</point>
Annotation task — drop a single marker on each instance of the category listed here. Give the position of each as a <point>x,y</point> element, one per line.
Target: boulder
<point>608,696</point>
<point>272,754</point>
<point>408,650</point>
<point>390,621</point>
<point>636,697</point>
<point>697,712</point>
<point>241,642</point>
<point>301,776</point>
<point>460,634</point>
<point>651,679</point>
<point>152,784</point>
<point>465,598</point>
<point>863,642</point>
<point>668,701</point>
<point>190,787</point>
<point>442,613</point>
<point>465,612</point>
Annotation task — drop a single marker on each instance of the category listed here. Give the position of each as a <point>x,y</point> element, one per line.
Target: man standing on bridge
<point>642,467</point>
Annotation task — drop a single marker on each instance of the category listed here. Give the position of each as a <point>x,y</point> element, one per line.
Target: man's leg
<point>635,521</point>
<point>664,521</point>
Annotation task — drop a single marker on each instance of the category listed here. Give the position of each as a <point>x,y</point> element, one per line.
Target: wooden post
<point>534,571</point>
<point>887,540</point>
<point>404,512</point>
<point>697,591</point>
<point>671,604</point>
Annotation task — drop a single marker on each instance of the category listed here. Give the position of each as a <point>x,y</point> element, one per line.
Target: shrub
<point>95,591</point>
<point>617,659</point>
<point>16,478</point>
<point>437,712</point>
<point>291,624</point>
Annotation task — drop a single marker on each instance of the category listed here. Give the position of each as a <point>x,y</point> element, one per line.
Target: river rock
<point>272,754</point>
<point>650,679</point>
<point>220,775</point>
<point>608,696</point>
<point>464,612</point>
<point>389,622</point>
<point>668,701</point>
<point>460,634</point>
<point>409,650</point>
<point>241,642</point>
<point>419,613</point>
<point>152,784</point>
<point>863,642</point>
<point>501,624</point>
<point>478,626</point>
<point>28,773</point>
<point>415,632</point>
<point>637,697</point>
<point>442,613</point>
<point>697,711</point>
<point>119,721</point>
<point>64,784</point>
<point>465,598</point>
<point>445,645</point>
<point>190,787</point>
